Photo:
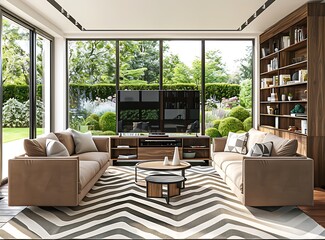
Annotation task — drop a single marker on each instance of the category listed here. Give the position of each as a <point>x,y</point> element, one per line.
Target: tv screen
<point>145,111</point>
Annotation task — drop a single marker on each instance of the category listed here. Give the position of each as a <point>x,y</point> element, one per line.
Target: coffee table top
<point>165,178</point>
<point>159,166</point>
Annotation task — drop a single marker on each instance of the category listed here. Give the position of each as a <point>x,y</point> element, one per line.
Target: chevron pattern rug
<point>117,208</point>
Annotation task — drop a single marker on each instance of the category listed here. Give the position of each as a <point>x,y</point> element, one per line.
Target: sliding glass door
<point>25,79</point>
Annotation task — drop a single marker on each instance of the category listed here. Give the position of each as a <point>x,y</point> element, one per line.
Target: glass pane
<point>139,65</point>
<point>228,77</point>
<point>182,65</point>
<point>92,87</point>
<point>43,76</point>
<point>15,80</point>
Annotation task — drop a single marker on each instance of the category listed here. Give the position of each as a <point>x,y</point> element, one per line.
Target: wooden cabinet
<point>156,148</point>
<point>293,61</point>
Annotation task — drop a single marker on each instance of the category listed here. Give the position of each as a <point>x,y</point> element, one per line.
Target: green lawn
<point>11,134</point>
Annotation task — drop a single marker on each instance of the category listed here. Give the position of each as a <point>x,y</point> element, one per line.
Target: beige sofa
<point>284,178</point>
<point>56,181</point>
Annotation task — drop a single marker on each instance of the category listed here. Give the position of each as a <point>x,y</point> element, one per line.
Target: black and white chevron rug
<point>117,208</point>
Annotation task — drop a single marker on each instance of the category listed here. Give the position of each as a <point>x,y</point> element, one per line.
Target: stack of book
<point>127,156</point>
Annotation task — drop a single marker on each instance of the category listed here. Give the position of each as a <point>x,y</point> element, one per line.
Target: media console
<point>156,148</point>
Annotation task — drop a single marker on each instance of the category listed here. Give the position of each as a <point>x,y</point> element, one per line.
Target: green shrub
<point>93,116</point>
<point>20,92</point>
<point>230,124</point>
<point>216,123</point>
<point>248,123</point>
<point>240,113</point>
<point>93,123</point>
<point>245,94</point>
<point>218,91</point>
<point>101,133</point>
<point>212,132</point>
<point>107,122</point>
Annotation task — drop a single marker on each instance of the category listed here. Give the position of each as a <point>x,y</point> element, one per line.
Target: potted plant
<point>290,96</point>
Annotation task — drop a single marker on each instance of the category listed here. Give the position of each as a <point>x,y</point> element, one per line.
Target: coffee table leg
<point>135,174</point>
<point>183,175</point>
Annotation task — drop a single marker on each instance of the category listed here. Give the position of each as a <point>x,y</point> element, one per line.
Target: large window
<point>20,118</point>
<point>92,67</point>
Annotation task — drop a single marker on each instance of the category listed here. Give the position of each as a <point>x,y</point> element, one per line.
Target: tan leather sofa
<point>277,180</point>
<point>56,181</point>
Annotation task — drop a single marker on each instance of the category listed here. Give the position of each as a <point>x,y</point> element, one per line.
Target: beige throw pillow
<point>281,146</point>
<point>255,136</point>
<point>36,147</point>
<point>83,141</point>
<point>55,148</point>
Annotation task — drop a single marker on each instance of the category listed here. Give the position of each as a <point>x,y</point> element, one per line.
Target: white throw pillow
<point>236,142</point>
<point>83,142</point>
<point>55,148</point>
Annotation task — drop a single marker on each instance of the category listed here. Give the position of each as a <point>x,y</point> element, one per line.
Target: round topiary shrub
<point>212,132</point>
<point>107,122</point>
<point>216,123</point>
<point>94,116</point>
<point>93,123</point>
<point>248,123</point>
<point>230,124</point>
<point>239,112</point>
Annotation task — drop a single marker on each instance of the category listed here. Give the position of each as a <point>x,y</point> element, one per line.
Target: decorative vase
<point>283,97</point>
<point>166,161</point>
<point>176,160</point>
<point>289,98</point>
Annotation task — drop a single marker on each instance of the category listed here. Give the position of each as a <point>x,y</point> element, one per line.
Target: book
<point>127,156</point>
<point>302,74</point>
<point>123,146</point>
<point>299,114</point>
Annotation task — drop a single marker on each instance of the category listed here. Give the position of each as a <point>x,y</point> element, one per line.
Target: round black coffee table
<point>155,184</point>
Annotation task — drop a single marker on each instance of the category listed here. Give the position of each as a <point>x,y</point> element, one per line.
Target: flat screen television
<point>149,111</point>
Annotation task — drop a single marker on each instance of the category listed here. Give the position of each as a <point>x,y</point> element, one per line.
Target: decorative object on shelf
<point>189,154</point>
<point>302,75</point>
<point>284,78</point>
<point>276,125</point>
<point>269,99</point>
<point>176,160</point>
<point>276,110</point>
<point>292,128</point>
<point>285,41</point>
<point>304,96</point>
<point>304,126</point>
<point>283,97</point>
<point>290,96</point>
<point>298,108</point>
<point>298,59</point>
<point>270,110</point>
<point>274,97</point>
<point>166,161</point>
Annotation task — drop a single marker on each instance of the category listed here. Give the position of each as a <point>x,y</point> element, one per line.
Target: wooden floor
<point>317,212</point>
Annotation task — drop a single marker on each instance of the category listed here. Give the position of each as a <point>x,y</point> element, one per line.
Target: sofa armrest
<point>102,143</point>
<point>43,181</point>
<point>278,181</point>
<point>219,144</point>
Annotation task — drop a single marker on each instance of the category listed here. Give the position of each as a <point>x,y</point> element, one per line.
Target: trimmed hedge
<point>20,92</point>
<point>221,90</point>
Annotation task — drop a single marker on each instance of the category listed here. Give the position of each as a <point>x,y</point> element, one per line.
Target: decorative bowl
<point>189,154</point>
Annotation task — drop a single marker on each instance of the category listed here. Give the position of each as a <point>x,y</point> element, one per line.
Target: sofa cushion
<point>255,136</point>
<point>55,148</point>
<point>87,170</point>
<point>100,157</point>
<point>36,147</point>
<point>236,142</point>
<point>261,150</point>
<point>66,139</point>
<point>281,146</point>
<point>83,142</point>
<point>234,173</point>
<point>222,159</point>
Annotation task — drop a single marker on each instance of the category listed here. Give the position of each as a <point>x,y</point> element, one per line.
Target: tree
<point>92,62</point>
<point>15,54</point>
<point>170,61</point>
<point>245,95</point>
<point>246,64</point>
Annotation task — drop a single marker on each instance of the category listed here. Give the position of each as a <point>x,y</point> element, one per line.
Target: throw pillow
<point>83,141</point>
<point>65,137</point>
<point>36,147</point>
<point>236,142</point>
<point>55,148</point>
<point>261,150</point>
<point>255,136</point>
<point>281,146</point>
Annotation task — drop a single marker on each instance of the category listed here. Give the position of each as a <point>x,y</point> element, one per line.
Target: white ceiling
<point>154,15</point>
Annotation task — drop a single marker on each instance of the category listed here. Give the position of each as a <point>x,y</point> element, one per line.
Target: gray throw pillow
<point>261,150</point>
<point>236,142</point>
<point>83,142</point>
<point>55,148</point>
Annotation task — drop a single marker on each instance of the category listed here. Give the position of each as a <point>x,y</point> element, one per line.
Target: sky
<point>231,51</point>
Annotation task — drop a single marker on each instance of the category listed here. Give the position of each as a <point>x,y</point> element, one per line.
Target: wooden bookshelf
<point>297,47</point>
